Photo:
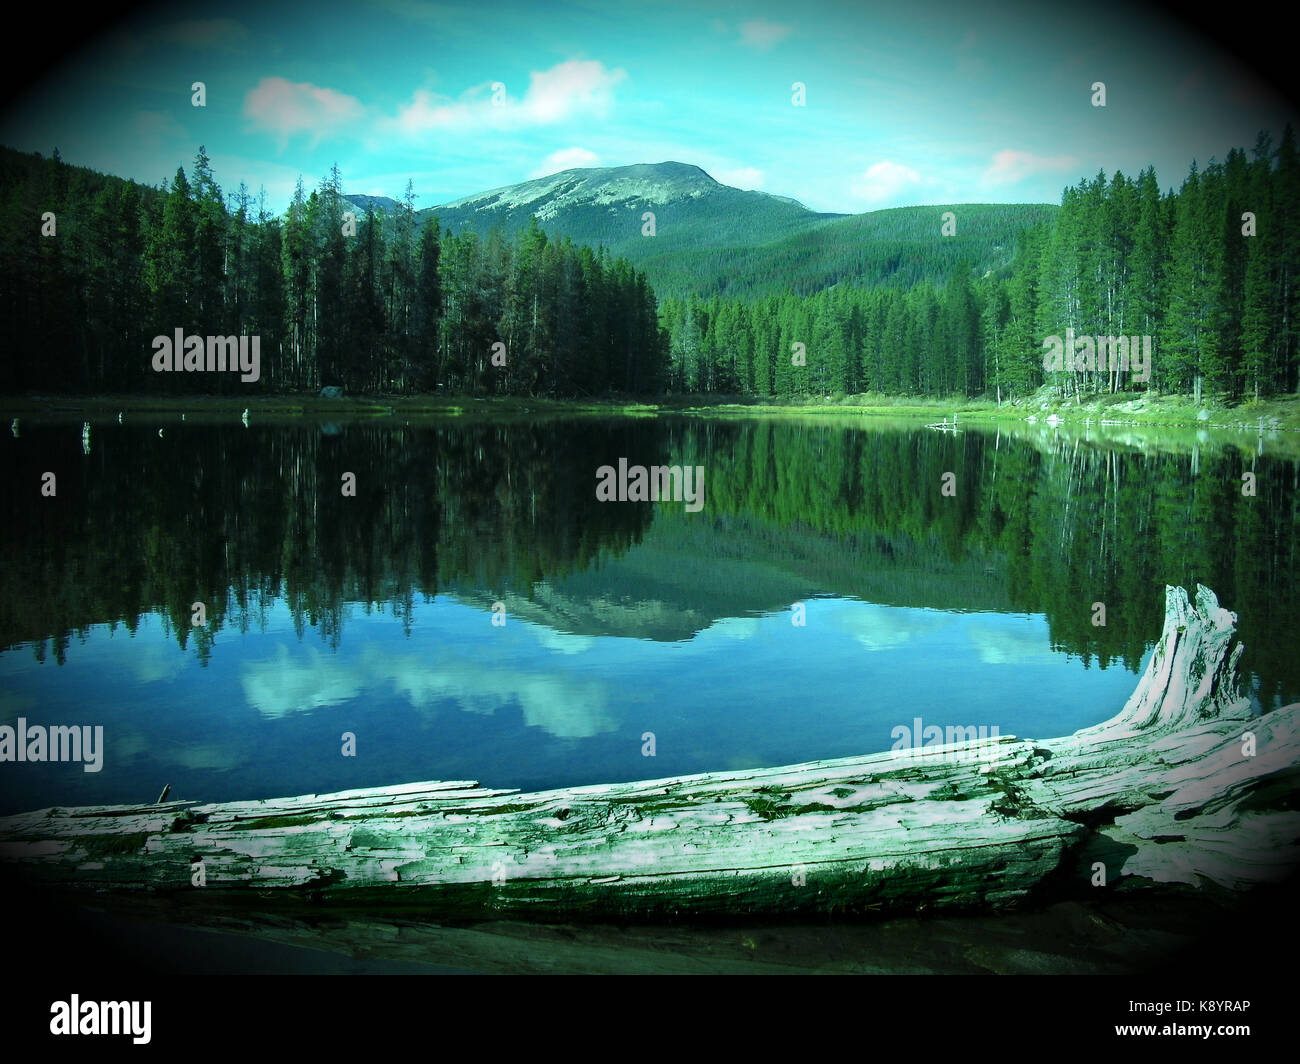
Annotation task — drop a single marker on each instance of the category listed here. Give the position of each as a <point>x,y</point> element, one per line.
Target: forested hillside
<point>392,307</point>
<point>92,267</point>
<point>1118,258</point>
<point>709,239</point>
<point>895,248</point>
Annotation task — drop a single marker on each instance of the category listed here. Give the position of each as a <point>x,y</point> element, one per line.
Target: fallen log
<point>1185,785</point>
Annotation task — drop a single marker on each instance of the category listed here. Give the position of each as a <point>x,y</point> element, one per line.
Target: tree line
<point>1210,272</point>
<point>93,267</point>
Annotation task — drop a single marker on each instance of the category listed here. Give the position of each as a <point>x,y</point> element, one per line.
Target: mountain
<point>712,239</point>
<point>379,203</point>
<point>605,205</point>
<point>682,577</point>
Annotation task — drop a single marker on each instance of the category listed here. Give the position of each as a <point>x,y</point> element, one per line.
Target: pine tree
<point>429,309</point>
<point>210,239</point>
<point>1179,366</point>
<point>297,255</point>
<point>1259,337</point>
<point>1286,184</point>
<point>1147,261</point>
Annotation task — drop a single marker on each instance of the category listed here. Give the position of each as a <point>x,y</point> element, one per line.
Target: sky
<point>904,103</point>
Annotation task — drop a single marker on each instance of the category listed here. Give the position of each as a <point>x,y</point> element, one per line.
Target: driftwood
<point>1186,785</point>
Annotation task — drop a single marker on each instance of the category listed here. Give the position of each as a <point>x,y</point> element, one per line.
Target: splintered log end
<point>1192,674</point>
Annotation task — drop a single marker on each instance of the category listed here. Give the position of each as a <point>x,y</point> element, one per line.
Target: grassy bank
<point>1277,413</point>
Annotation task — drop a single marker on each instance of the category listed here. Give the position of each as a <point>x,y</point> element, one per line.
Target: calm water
<point>372,614</point>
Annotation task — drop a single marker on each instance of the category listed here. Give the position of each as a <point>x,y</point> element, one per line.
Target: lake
<point>829,598</point>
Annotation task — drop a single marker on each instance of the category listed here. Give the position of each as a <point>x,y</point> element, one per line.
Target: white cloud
<point>883,181</point>
<point>565,706</point>
<point>1010,166</point>
<point>565,159</point>
<point>287,108</point>
<point>761,34</point>
<point>578,88</point>
<point>886,627</point>
<point>1020,645</point>
<point>157,661</point>
<point>747,177</point>
<point>564,642</point>
<point>567,709</point>
<point>739,628</point>
<point>561,701</point>
<point>280,687</point>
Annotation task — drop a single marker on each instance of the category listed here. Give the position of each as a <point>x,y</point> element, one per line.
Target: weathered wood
<point>1165,792</point>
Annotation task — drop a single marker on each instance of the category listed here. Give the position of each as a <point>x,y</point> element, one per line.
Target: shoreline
<point>1279,414</point>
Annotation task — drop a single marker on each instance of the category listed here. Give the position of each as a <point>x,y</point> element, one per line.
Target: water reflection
<point>373,615</point>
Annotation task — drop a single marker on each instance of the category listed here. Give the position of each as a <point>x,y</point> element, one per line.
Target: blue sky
<point>906,103</point>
